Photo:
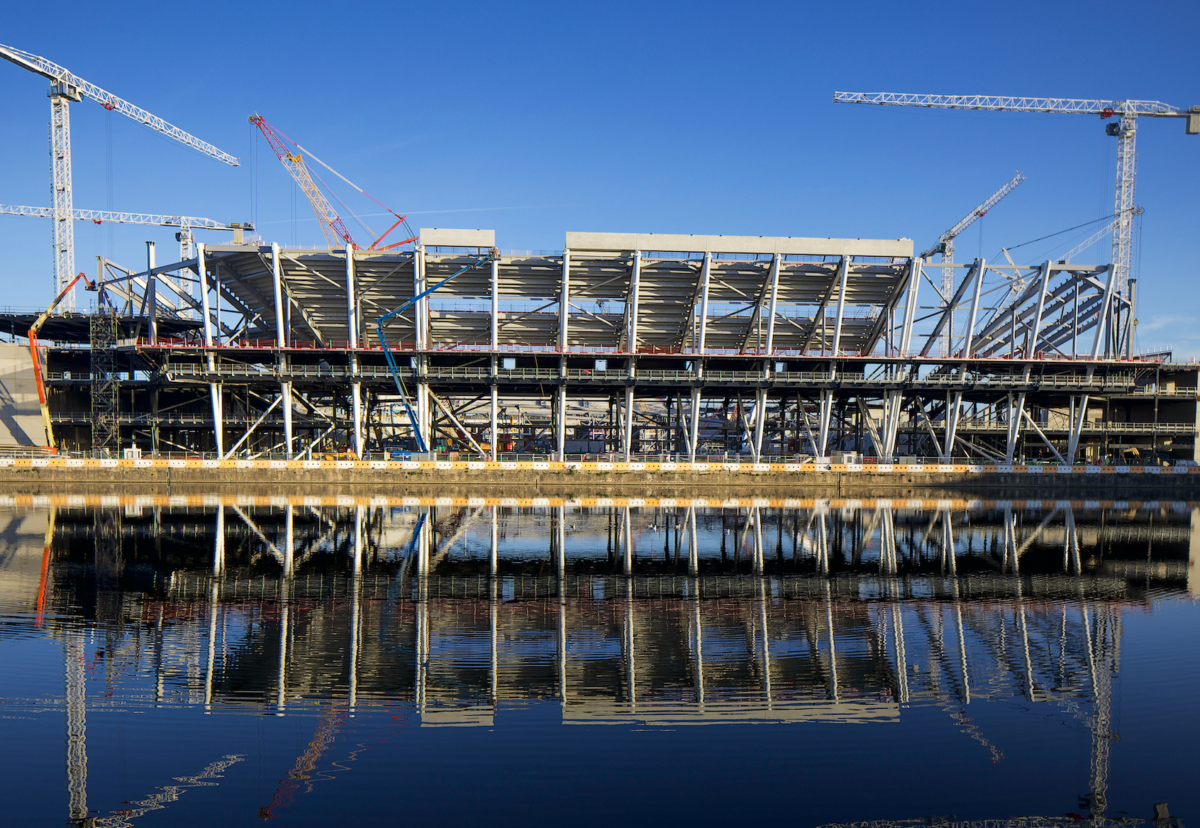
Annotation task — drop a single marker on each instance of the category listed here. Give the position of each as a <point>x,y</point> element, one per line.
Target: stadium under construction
<point>623,344</point>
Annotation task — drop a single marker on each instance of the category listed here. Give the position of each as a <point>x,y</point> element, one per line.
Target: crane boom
<point>76,88</point>
<point>331,223</point>
<point>101,216</point>
<point>37,362</point>
<point>995,103</point>
<point>974,216</point>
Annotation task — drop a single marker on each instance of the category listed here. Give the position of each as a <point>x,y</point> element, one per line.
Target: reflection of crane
<point>945,244</point>
<point>166,794</point>
<point>64,88</point>
<point>322,738</point>
<point>1124,130</point>
<point>37,363</point>
<point>331,223</point>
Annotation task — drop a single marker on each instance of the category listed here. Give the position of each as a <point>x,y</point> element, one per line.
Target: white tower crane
<point>1124,130</point>
<point>66,87</point>
<point>186,223</point>
<point>945,244</point>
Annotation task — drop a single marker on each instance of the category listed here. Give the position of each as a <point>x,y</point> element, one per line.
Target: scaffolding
<point>102,330</point>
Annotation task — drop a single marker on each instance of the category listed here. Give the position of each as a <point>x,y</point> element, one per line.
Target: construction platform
<point>620,348</point>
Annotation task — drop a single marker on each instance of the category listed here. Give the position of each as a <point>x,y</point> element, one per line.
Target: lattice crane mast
<point>64,88</point>
<point>331,223</point>
<point>945,242</point>
<point>1125,130</point>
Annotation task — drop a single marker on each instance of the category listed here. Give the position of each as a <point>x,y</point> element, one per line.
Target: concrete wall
<point>20,417</point>
<point>627,242</point>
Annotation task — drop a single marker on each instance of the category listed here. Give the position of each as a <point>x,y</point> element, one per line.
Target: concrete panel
<point>443,237</point>
<point>20,416</point>
<point>784,245</point>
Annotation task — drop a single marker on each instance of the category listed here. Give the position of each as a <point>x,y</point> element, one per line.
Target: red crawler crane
<point>331,223</point>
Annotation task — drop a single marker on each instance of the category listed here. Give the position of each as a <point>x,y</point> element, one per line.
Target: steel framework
<point>631,344</point>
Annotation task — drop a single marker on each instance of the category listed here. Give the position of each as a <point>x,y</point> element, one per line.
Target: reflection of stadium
<point>344,608</point>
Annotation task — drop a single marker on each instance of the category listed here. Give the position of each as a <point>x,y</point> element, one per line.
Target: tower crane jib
<point>1125,130</point>
<point>66,87</point>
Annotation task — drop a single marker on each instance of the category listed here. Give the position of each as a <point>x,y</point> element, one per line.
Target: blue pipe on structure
<point>419,438</point>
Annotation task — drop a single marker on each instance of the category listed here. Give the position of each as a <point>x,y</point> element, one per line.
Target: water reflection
<point>650,613</point>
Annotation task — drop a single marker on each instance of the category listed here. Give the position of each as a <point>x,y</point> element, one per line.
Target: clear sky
<point>539,118</point>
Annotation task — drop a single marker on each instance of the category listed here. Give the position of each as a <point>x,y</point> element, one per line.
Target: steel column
<point>214,389</point>
<point>631,308</point>
<point>281,339</point>
<point>352,331</point>
<point>150,299</point>
<point>628,426</point>
<point>564,304</point>
<point>843,275</point>
<point>694,426</point>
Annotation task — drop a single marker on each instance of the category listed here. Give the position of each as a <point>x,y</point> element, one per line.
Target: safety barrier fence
<point>436,466</point>
<point>211,500</point>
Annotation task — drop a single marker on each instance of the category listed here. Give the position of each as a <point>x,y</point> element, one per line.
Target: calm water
<point>207,660</point>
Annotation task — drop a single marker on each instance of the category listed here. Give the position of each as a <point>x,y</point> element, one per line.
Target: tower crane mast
<point>66,87</point>
<point>1125,130</point>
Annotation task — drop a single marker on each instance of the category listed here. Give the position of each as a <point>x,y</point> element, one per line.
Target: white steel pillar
<point>214,389</point>
<point>564,304</point>
<point>705,269</point>
<point>953,407</point>
<point>843,276</point>
<point>628,429</point>
<point>1079,416</point>
<point>494,328</point>
<point>281,338</point>
<point>421,317</point>
<point>760,418</point>
<point>560,422</point>
<point>694,427</point>
<point>1103,314</point>
<point>494,345</point>
<point>151,297</point>
<point>772,304</point>
<point>352,332</point>
<point>825,414</point>
<point>1031,337</point>
<point>631,310</point>
<point>1015,413</point>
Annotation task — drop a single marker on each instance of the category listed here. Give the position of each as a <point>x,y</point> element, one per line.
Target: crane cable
<point>351,183</point>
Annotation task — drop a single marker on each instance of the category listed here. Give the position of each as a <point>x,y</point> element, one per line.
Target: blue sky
<point>539,118</point>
